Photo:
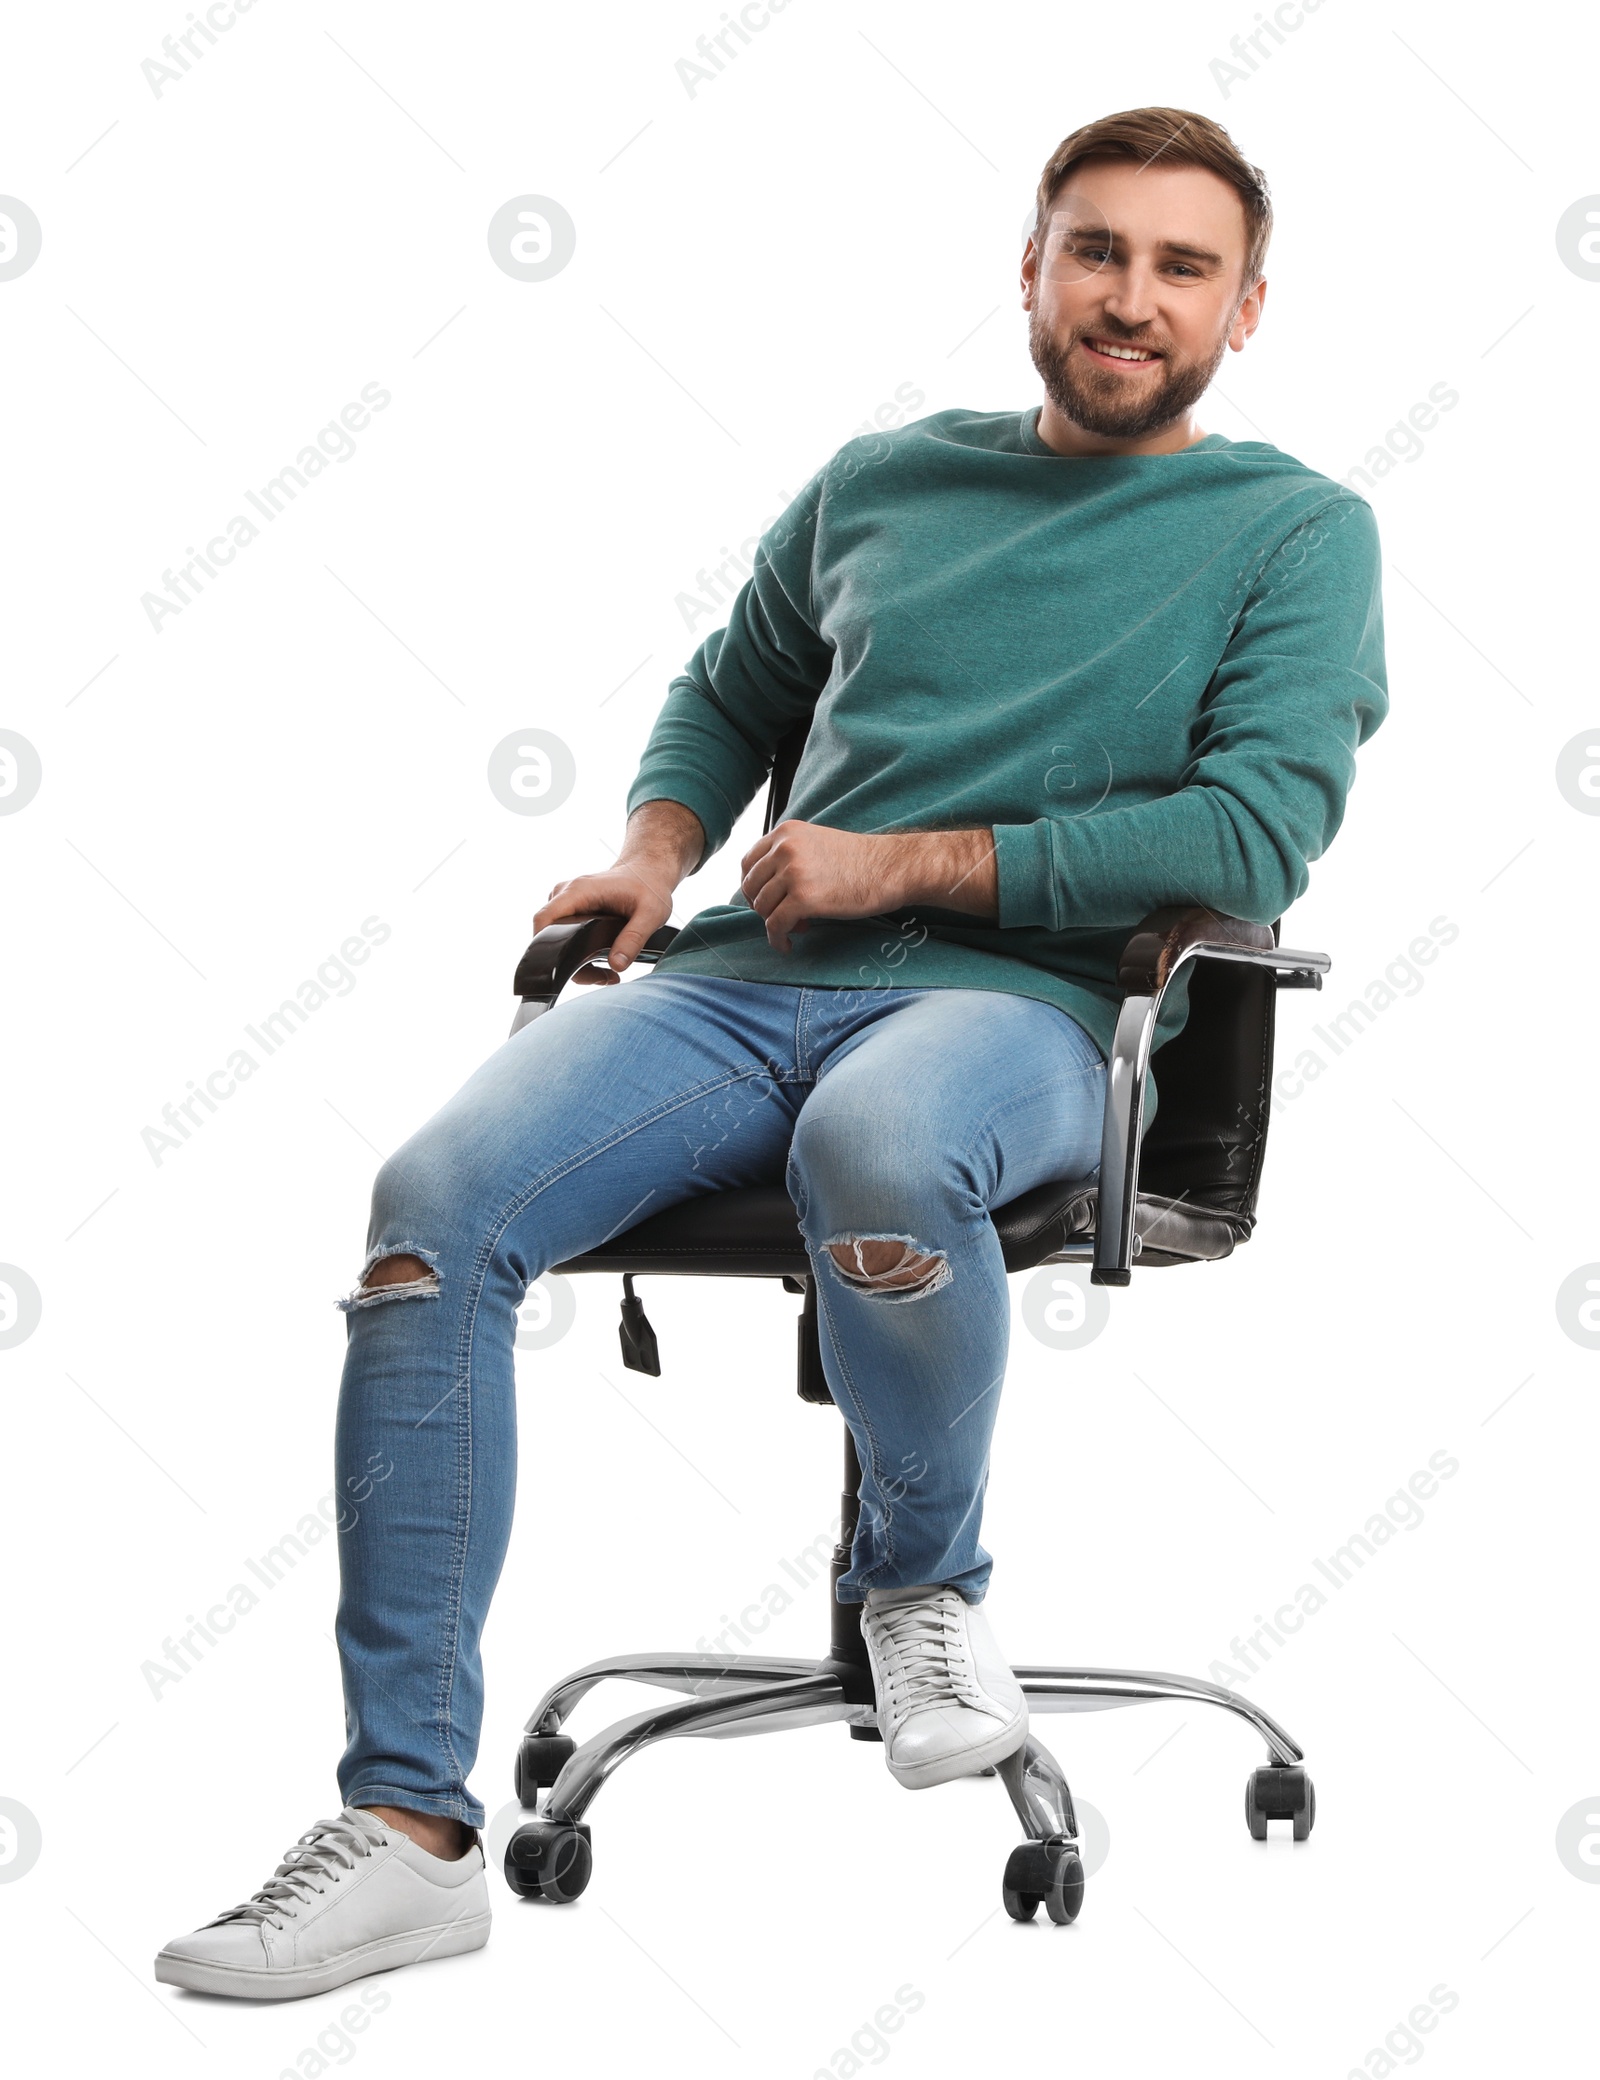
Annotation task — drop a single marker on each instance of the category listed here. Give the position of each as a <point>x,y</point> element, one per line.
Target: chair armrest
<point>1159,947</point>
<point>1164,940</point>
<point>556,954</point>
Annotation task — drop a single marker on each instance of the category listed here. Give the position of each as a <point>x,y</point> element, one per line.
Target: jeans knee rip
<point>364,1295</point>
<point>887,1285</point>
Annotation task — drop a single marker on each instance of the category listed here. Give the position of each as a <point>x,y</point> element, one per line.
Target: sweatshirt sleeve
<point>1300,685</point>
<point>746,685</point>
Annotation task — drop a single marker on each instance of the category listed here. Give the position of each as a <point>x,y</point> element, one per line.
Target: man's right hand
<point>663,841</point>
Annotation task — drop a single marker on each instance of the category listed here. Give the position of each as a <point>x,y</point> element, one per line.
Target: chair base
<point>730,1695</point>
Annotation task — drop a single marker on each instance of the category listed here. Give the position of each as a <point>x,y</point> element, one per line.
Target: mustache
<point>1120,338</point>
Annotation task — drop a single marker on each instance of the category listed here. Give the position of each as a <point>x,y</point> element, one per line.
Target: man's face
<point>1149,259</point>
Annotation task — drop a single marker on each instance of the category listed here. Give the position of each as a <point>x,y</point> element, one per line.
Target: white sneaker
<point>948,1704</point>
<point>353,1896</point>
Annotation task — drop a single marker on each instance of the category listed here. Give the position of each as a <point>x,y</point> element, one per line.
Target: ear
<point>1248,316</point>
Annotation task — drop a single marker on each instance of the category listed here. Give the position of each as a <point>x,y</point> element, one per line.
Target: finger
<point>787,917</point>
<point>758,850</point>
<point>625,947</point>
<point>758,876</point>
<point>564,900</point>
<point>770,894</point>
<point>592,895</point>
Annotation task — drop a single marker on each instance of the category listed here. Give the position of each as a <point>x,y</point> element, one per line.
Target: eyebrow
<point>1174,245</point>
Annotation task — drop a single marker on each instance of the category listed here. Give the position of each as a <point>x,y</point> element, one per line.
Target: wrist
<point>903,871</point>
<point>948,870</point>
<point>664,839</point>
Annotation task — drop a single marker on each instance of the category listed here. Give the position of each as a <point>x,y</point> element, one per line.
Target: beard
<point>1104,404</point>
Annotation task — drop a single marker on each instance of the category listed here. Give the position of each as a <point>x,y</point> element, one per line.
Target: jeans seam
<point>1052,1079</point>
<point>1015,1099</point>
<point>887,1511</point>
<point>445,1702</point>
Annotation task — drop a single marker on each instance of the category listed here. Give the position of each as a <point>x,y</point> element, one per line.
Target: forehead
<point>1146,204</point>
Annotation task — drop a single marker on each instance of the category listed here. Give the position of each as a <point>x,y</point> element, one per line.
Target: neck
<point>1067,437</point>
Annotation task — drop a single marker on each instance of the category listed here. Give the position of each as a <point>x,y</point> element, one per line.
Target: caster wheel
<point>1280,1794</point>
<point>540,1760</point>
<point>549,1859</point>
<point>1043,1872</point>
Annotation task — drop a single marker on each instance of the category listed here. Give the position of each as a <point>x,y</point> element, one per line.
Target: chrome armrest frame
<point>1123,1122</point>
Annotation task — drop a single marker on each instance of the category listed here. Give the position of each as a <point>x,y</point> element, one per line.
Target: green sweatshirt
<point>1146,674</point>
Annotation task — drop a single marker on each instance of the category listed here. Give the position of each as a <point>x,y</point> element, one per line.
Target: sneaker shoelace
<point>320,1855</point>
<point>924,1653</point>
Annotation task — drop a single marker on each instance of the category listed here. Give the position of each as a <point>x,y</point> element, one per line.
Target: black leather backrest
<point>1215,1081</point>
<point>1210,1131</point>
<point>785,761</point>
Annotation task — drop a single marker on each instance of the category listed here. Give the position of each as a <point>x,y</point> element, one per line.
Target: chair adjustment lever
<point>639,1349</point>
<point>812,1381</point>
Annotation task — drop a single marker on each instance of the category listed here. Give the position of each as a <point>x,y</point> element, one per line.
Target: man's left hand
<point>799,872</point>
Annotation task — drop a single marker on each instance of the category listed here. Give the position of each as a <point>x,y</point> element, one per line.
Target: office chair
<point>1186,1195</point>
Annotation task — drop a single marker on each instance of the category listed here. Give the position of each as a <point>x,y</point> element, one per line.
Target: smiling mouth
<point>1114,354</point>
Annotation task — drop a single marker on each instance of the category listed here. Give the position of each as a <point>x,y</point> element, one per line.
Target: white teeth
<point>1123,353</point>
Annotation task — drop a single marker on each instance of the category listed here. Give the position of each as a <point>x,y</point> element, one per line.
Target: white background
<point>759,265</point>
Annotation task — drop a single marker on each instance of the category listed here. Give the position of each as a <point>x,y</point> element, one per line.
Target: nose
<point>1131,300</point>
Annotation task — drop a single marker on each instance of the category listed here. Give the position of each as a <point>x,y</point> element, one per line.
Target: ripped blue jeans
<point>895,1116</point>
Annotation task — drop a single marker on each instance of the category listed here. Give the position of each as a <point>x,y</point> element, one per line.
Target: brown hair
<point>1178,137</point>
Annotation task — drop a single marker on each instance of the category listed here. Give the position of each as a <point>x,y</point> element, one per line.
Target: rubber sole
<point>922,1776</point>
<point>387,1954</point>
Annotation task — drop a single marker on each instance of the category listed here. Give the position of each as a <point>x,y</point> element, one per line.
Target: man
<point>1065,665</point>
